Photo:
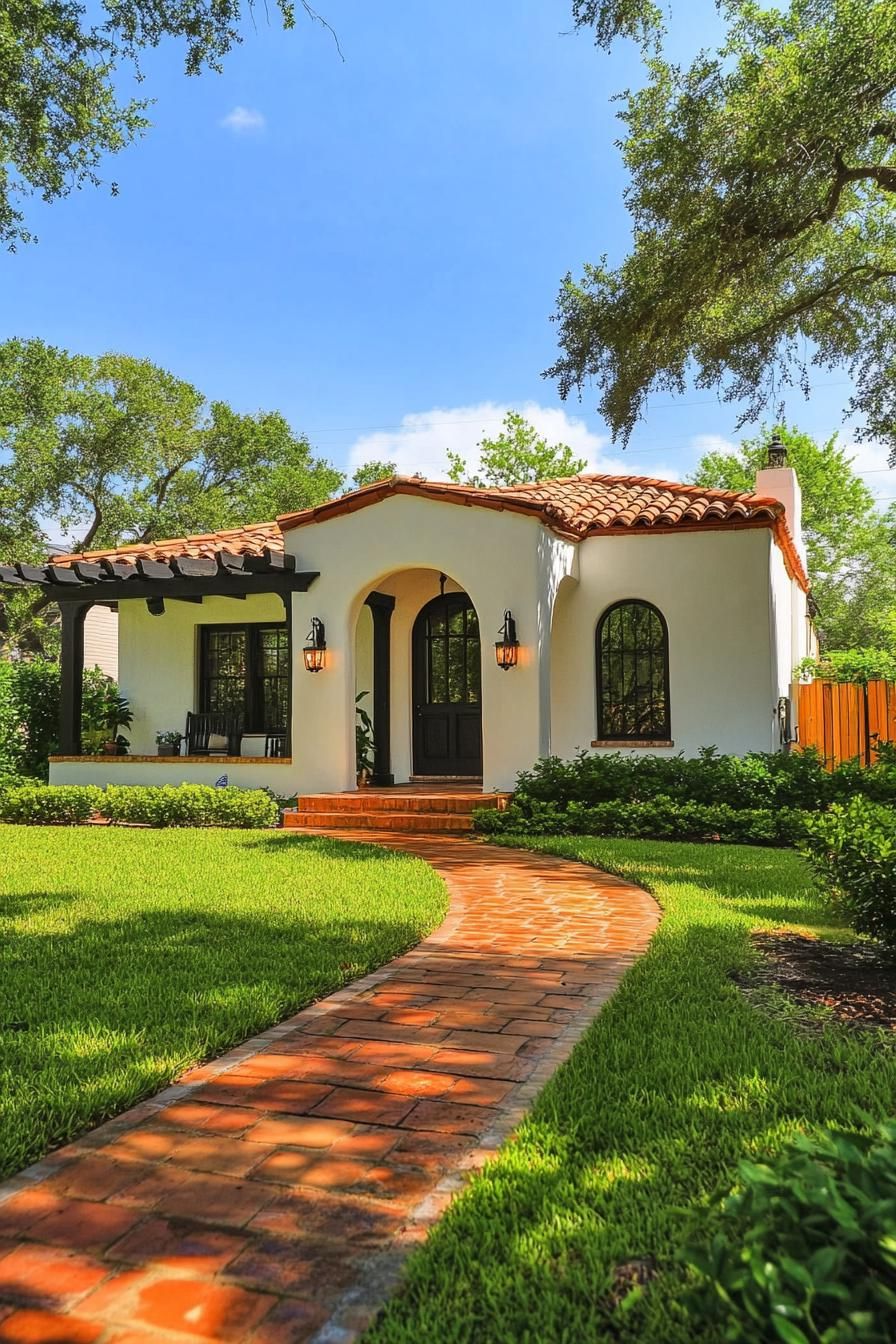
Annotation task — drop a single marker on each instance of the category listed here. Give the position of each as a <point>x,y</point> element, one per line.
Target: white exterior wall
<point>158,661</point>
<point>713,590</point>
<point>736,621</point>
<point>497,558</point>
<point>102,770</point>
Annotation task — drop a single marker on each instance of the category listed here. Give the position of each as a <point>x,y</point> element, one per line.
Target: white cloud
<point>422,441</point>
<point>243,120</point>
<point>712,443</point>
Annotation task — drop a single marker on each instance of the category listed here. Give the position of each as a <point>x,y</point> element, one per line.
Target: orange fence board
<point>844,720</point>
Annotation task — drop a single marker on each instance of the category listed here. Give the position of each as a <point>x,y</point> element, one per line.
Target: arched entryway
<point>447,688</point>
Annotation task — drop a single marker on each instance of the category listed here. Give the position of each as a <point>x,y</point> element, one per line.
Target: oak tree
<point>115,450</point>
<point>763,206</point>
<point>61,61</point>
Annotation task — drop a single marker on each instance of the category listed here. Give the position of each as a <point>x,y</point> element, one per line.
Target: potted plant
<point>168,744</point>
<point>117,713</point>
<point>364,750</point>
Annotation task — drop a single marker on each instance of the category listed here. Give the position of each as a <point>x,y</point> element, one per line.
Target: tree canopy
<point>850,544</point>
<point>115,449</point>
<point>61,109</point>
<point>519,453</point>
<point>763,204</point>
<point>370,472</point>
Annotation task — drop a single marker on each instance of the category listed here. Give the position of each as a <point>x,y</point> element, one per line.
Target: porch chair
<point>201,727</point>
<point>275,744</point>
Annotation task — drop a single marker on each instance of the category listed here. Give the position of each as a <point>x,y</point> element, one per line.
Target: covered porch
<point>206,642</point>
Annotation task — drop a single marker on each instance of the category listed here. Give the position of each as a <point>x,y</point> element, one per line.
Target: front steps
<point>419,809</point>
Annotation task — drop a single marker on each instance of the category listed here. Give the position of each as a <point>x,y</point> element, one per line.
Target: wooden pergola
<point>78,586</point>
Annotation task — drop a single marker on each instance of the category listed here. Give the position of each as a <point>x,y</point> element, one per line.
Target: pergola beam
<point>117,585</point>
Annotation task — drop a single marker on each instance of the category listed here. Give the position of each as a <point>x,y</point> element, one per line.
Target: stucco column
<point>323,703</point>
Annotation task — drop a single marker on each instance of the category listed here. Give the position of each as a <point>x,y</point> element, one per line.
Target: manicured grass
<point>677,1080</point>
<point>128,955</point>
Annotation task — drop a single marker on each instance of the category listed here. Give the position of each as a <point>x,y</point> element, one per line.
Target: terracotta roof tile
<point>574,506</point>
<point>249,540</point>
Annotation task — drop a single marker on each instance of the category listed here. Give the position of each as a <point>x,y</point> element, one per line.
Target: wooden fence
<point>844,721</point>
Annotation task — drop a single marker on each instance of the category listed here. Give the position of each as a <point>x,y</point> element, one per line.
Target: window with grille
<point>244,670</point>
<point>632,674</point>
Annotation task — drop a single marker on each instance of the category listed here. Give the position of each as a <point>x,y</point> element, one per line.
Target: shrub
<point>852,848</point>
<point>49,805</point>
<point>29,713</point>
<point>167,805</point>
<point>806,1253</point>
<point>757,798</point>
<point>849,665</point>
<point>189,805</point>
<point>770,779</point>
<point>661,818</point>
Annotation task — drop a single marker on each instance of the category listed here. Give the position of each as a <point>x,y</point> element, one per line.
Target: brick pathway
<point>270,1197</point>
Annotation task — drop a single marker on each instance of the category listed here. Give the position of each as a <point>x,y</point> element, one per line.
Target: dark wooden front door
<point>447,687</point>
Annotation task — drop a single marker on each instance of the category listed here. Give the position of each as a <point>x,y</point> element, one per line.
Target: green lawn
<point>127,955</point>
<point>679,1077</point>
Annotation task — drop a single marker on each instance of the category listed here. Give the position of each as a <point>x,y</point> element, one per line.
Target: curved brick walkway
<point>270,1197</point>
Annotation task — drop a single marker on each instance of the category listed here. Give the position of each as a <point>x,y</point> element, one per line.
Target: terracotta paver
<point>270,1196</point>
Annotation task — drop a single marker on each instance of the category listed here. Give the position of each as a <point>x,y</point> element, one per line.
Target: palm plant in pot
<point>117,713</point>
<point>364,750</point>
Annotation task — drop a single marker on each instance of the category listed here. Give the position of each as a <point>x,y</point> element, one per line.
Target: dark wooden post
<point>71,673</point>
<point>381,607</point>
<point>287,603</point>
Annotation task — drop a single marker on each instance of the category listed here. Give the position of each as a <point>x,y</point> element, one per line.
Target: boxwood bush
<point>806,1251</point>
<point>852,848</point>
<point>759,798</point>
<point>189,805</point>
<point>660,819</point>
<point>166,805</point>
<point>46,805</point>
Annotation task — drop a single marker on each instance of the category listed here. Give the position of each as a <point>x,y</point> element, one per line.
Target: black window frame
<point>663,732</point>
<point>251,715</point>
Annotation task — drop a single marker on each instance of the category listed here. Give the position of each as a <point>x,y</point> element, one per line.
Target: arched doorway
<point>447,688</point>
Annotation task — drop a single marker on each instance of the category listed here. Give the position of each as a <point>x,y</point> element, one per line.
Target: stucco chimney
<point>780,481</point>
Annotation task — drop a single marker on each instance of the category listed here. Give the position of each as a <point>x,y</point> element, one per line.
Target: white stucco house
<point>628,613</point>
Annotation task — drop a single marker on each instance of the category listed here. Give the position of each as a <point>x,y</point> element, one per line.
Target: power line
<point>497,420</point>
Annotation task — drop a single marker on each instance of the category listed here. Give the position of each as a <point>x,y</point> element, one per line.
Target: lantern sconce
<point>507,648</point>
<point>314,650</point>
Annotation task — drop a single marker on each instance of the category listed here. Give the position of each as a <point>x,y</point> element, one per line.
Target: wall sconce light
<point>507,648</point>
<point>155,606</point>
<point>313,652</point>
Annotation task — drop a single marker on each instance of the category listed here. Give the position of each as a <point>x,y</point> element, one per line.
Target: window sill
<point>619,743</point>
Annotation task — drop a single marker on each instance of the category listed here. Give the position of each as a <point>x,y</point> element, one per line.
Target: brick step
<point>367,802</point>
<point>378,821</point>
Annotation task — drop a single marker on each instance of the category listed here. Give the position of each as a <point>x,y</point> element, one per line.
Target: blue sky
<point>371,245</point>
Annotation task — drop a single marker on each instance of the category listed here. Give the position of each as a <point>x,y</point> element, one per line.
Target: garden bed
<point>854,982</point>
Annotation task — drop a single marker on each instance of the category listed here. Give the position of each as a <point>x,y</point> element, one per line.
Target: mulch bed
<point>855,982</point>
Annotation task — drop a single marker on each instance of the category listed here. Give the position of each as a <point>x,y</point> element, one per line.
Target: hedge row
<point>165,805</point>
<point>758,780</point>
<point>660,819</point>
<point>852,849</point>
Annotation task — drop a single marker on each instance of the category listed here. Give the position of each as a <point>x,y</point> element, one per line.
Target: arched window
<point>632,652</point>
